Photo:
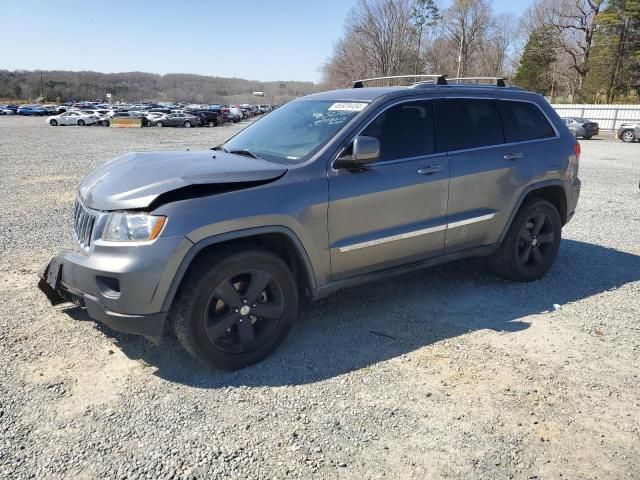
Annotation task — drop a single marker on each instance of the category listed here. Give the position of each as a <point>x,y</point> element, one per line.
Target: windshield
<point>293,132</point>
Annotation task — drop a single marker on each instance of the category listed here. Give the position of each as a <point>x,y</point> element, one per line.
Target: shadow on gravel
<point>364,325</point>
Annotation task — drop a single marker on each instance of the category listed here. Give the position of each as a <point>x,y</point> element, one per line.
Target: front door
<point>394,210</point>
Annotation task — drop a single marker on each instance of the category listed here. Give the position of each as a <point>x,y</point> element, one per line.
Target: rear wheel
<point>212,123</point>
<point>81,123</point>
<point>628,136</point>
<point>234,309</point>
<point>531,244</point>
<point>587,137</point>
<point>159,124</point>
<point>53,122</point>
<point>187,124</point>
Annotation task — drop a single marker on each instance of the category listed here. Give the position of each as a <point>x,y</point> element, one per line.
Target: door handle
<point>431,169</point>
<point>513,156</point>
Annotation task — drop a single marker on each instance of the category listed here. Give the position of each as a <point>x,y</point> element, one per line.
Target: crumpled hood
<point>136,179</point>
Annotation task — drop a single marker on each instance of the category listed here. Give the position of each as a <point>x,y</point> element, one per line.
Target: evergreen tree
<point>535,71</point>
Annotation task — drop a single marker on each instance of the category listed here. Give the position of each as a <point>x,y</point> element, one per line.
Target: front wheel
<point>531,244</point>
<point>81,123</point>
<point>628,136</point>
<point>587,137</point>
<point>233,309</point>
<point>187,124</point>
<point>53,123</point>
<point>159,124</point>
<point>212,123</point>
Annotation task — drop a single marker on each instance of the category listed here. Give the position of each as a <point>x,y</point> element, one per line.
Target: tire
<point>588,137</point>
<point>159,124</point>
<point>211,123</point>
<point>53,123</point>
<point>200,314</point>
<point>81,123</point>
<point>628,136</point>
<point>525,254</point>
<point>187,124</point>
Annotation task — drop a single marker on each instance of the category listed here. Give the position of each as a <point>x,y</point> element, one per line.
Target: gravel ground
<point>446,373</point>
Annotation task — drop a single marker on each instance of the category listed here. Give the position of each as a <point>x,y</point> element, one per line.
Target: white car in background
<point>73,118</point>
<point>104,116</point>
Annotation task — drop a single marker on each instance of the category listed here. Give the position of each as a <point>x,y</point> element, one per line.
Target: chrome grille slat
<point>83,224</point>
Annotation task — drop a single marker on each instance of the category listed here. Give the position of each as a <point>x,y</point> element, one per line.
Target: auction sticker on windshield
<point>348,106</point>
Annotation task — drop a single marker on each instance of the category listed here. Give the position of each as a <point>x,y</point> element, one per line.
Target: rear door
<point>483,178</point>
<point>394,210</point>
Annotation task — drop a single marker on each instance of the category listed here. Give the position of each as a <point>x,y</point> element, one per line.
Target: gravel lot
<point>446,373</point>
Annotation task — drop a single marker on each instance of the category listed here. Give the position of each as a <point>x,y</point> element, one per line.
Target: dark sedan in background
<point>178,120</point>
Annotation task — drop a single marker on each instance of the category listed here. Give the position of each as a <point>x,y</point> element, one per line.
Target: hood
<point>135,180</point>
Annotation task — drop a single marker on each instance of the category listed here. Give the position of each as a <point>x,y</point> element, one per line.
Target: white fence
<point>608,116</point>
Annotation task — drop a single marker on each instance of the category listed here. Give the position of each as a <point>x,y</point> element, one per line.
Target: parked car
<point>7,111</point>
<point>209,118</point>
<point>581,127</point>
<point>328,191</point>
<point>31,110</point>
<point>73,118</point>
<point>13,108</point>
<point>103,116</point>
<point>628,132</point>
<point>177,120</point>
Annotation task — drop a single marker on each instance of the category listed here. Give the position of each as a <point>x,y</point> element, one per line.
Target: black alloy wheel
<point>235,306</point>
<point>531,242</point>
<point>535,241</point>
<point>243,311</point>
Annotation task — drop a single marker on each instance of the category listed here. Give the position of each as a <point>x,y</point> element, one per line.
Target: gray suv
<point>328,191</point>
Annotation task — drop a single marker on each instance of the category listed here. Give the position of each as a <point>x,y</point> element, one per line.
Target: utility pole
<point>41,85</point>
<point>460,53</point>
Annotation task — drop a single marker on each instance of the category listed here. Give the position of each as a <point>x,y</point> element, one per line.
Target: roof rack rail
<point>380,81</point>
<point>495,81</point>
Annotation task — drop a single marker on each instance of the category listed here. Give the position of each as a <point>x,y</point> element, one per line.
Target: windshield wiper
<point>218,148</point>
<point>245,153</point>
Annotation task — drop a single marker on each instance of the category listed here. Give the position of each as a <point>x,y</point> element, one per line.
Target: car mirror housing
<point>363,150</point>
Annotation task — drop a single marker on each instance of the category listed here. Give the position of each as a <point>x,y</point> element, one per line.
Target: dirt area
<point>446,373</point>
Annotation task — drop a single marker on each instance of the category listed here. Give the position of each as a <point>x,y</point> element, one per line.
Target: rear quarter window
<point>524,121</point>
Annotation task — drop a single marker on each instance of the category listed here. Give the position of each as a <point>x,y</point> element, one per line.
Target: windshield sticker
<point>348,106</point>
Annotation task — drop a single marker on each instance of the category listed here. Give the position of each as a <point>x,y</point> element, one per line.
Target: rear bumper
<point>572,199</point>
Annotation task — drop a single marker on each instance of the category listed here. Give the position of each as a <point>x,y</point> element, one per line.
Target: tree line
<point>64,86</point>
<point>568,50</point>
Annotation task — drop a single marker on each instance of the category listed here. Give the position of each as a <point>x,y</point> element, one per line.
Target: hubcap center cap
<point>534,242</point>
<point>245,309</point>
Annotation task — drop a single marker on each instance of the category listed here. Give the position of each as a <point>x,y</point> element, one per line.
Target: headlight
<point>132,227</point>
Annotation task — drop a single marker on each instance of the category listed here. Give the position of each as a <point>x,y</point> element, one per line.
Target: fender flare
<point>530,188</point>
<point>236,235</point>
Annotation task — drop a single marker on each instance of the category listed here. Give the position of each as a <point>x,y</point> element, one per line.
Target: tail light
<point>574,161</point>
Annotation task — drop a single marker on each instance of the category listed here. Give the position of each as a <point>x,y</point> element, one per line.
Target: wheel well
<point>280,245</point>
<point>555,195</point>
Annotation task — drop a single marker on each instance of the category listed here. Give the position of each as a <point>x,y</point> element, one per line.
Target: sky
<point>253,39</point>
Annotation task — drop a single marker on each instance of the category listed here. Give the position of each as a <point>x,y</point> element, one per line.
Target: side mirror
<point>363,150</point>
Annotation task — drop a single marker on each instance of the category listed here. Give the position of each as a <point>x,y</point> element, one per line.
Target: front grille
<point>83,223</point>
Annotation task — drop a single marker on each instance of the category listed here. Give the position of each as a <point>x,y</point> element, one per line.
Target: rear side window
<point>524,121</point>
<point>467,123</point>
<point>404,131</point>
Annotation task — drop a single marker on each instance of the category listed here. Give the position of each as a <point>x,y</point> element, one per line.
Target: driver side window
<point>405,130</point>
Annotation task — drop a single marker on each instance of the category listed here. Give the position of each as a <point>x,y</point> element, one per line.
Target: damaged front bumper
<point>123,291</point>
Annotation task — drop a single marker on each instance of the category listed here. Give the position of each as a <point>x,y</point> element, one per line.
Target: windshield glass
<point>293,132</point>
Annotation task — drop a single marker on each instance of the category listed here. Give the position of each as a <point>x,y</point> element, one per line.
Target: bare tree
<point>380,40</point>
<point>466,23</point>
